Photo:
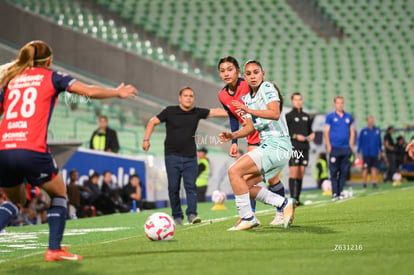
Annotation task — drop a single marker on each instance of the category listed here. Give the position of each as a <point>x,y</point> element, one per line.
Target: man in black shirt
<point>390,150</point>
<point>180,150</point>
<point>300,130</point>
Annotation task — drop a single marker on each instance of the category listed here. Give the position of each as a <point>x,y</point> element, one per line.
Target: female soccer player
<point>263,109</point>
<point>28,93</point>
<point>236,88</point>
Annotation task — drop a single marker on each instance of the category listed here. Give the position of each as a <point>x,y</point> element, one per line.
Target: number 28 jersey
<point>28,102</point>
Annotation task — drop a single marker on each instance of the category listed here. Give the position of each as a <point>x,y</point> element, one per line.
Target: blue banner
<point>87,161</point>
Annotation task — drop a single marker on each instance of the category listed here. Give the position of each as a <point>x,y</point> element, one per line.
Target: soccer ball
<point>159,227</point>
<point>218,197</point>
<point>396,177</point>
<point>326,185</point>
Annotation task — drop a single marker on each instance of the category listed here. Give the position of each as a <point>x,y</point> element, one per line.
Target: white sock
<point>243,205</point>
<point>270,198</point>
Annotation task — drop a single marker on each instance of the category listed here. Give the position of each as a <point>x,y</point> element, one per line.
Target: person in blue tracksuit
<point>369,150</point>
<point>339,136</point>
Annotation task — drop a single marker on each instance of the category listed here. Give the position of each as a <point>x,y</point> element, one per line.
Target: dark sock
<point>299,188</point>
<point>7,211</point>
<point>291,187</point>
<point>248,219</point>
<point>253,204</point>
<point>56,217</point>
<point>284,204</point>
<point>277,188</point>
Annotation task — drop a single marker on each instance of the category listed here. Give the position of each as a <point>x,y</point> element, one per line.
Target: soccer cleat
<point>278,220</point>
<point>61,255</point>
<point>288,212</point>
<point>244,224</point>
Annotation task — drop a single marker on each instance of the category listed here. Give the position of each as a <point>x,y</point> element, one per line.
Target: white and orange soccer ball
<point>159,227</point>
<point>218,197</point>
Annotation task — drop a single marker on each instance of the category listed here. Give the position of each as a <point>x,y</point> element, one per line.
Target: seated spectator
<point>113,191</point>
<point>41,205</point>
<point>133,192</point>
<point>74,195</point>
<point>93,196</point>
<point>27,214</point>
<point>92,190</point>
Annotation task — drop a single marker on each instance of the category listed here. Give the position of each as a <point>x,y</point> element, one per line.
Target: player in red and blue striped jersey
<point>28,93</point>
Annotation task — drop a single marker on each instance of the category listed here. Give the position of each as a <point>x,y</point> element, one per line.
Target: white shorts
<point>271,156</point>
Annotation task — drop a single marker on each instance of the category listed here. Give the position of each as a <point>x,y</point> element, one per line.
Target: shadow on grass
<point>58,267</point>
<point>294,229</point>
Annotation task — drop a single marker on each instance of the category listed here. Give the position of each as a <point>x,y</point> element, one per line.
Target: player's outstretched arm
<point>218,112</point>
<point>122,91</point>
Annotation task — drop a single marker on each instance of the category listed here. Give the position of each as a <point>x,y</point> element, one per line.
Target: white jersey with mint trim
<point>268,128</point>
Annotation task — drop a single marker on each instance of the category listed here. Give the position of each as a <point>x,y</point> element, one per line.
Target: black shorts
<point>299,158</point>
<point>370,162</point>
<point>18,165</point>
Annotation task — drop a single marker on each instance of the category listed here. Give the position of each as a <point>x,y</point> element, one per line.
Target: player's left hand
<point>225,136</point>
<point>127,91</point>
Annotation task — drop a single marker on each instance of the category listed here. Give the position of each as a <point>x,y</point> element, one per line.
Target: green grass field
<point>371,233</point>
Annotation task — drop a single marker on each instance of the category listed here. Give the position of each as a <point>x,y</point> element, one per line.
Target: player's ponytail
<point>32,54</point>
<point>280,97</point>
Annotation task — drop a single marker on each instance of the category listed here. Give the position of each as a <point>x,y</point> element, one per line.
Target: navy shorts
<point>18,165</point>
<point>370,162</point>
<point>299,158</point>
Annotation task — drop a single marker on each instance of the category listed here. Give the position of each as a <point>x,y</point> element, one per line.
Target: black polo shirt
<point>300,123</point>
<point>181,127</point>
<point>388,137</point>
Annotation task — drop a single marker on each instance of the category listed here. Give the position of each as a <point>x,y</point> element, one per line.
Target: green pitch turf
<point>370,233</point>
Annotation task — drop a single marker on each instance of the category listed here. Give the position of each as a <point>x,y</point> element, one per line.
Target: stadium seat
<point>377,47</point>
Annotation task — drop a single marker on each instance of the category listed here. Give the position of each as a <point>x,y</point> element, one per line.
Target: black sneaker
<point>178,221</point>
<point>375,186</point>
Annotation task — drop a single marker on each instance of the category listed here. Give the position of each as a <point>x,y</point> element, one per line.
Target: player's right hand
<point>146,145</point>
